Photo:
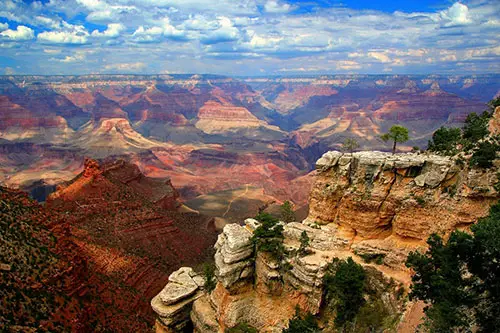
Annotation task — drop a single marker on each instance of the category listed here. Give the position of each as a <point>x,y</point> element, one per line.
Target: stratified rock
<point>364,198</point>
<point>234,251</point>
<point>173,304</point>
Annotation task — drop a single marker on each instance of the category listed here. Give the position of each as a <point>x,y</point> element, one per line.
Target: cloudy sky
<point>249,37</point>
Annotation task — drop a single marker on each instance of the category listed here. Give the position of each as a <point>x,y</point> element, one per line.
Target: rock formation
<point>389,204</point>
<point>371,206</point>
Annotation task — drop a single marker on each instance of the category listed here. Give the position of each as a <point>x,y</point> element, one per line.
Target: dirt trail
<point>232,200</point>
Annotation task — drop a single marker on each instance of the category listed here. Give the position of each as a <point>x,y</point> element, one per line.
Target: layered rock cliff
<point>372,206</point>
<point>387,205</point>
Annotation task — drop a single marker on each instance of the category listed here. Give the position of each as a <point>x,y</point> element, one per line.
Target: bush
<point>209,273</point>
<point>460,279</point>
<point>476,127</point>
<point>345,289</point>
<point>268,237</point>
<point>302,324</point>
<point>304,243</point>
<point>484,155</point>
<point>241,328</point>
<point>287,214</point>
<point>445,141</point>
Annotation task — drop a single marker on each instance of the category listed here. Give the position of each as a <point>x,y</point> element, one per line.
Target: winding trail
<point>231,202</point>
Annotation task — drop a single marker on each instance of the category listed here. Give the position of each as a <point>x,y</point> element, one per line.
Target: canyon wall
<point>372,206</point>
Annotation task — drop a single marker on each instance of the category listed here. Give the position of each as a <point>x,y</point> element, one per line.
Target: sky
<point>249,37</point>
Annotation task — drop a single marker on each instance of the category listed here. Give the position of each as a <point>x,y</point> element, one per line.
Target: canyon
<point>374,207</point>
<point>131,169</point>
<point>211,134</point>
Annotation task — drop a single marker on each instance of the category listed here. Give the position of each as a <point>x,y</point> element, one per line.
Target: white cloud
<point>380,56</point>
<point>457,14</point>
<point>4,26</point>
<point>143,35</point>
<point>348,65</point>
<point>199,22</point>
<point>113,30</point>
<point>263,42</point>
<point>226,32</point>
<point>22,33</point>
<point>126,67</point>
<point>47,22</point>
<point>156,34</point>
<point>74,58</point>
<point>62,37</point>
<point>273,6</point>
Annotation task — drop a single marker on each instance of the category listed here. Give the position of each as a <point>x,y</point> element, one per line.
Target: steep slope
<point>126,226</point>
<point>42,274</point>
<point>111,136</point>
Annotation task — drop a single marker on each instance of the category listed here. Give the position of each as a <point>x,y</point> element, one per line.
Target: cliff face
<point>389,204</point>
<point>374,207</point>
<point>255,289</point>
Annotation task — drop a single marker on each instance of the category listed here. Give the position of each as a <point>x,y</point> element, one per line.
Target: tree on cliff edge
<point>396,134</point>
<point>460,279</point>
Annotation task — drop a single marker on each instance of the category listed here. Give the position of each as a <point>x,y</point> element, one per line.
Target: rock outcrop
<point>386,204</point>
<point>372,206</point>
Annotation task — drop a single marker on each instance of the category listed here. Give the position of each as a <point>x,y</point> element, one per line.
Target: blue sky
<point>249,37</point>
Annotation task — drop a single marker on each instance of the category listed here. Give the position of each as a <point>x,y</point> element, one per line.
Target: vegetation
<point>350,145</point>
<point>445,141</point>
<point>476,127</point>
<point>344,289</point>
<point>377,258</point>
<point>268,237</point>
<point>209,274</point>
<point>473,137</point>
<point>302,323</point>
<point>484,155</point>
<point>304,243</point>
<point>460,279</point>
<point>396,134</point>
<point>494,103</point>
<point>241,328</point>
<point>287,214</point>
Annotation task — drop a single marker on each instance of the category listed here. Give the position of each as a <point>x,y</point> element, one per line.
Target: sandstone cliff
<point>387,205</point>
<point>372,206</point>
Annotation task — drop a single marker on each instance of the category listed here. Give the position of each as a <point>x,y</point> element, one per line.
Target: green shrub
<point>420,200</point>
<point>268,237</point>
<point>302,323</point>
<point>484,155</point>
<point>304,243</point>
<point>460,278</point>
<point>287,214</point>
<point>344,289</point>
<point>476,127</point>
<point>209,273</point>
<point>241,328</point>
<point>378,258</point>
<point>445,140</point>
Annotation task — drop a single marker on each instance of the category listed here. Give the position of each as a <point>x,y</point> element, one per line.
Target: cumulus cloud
<point>21,33</point>
<point>380,56</point>
<point>230,35</point>
<point>147,35</point>
<point>275,7</point>
<point>263,42</point>
<point>113,30</point>
<point>226,32</point>
<point>158,33</point>
<point>199,22</point>
<point>457,14</point>
<point>63,37</point>
<point>74,58</point>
